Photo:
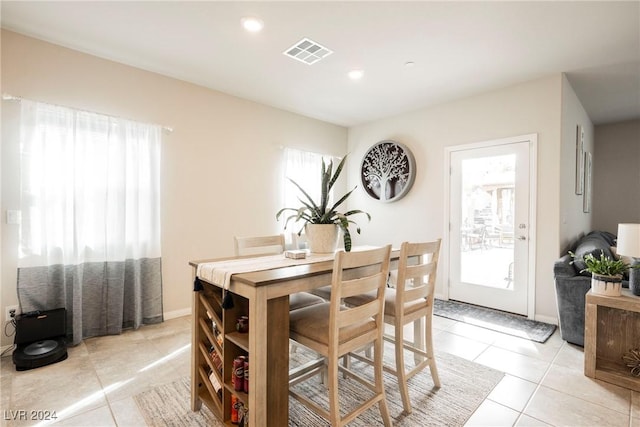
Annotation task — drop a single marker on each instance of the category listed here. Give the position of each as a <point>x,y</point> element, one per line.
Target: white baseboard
<point>177,313</point>
<point>546,319</point>
<point>5,348</point>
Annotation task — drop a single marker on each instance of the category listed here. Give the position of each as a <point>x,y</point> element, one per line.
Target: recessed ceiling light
<point>252,24</point>
<point>355,74</point>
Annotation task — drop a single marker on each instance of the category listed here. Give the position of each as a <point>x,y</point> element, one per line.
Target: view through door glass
<point>489,209</point>
<point>487,201</point>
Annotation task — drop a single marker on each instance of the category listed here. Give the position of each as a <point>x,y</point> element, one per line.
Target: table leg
<point>590,338</point>
<point>196,403</point>
<point>268,360</point>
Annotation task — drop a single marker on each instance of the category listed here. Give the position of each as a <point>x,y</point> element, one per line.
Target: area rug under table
<point>496,320</point>
<point>464,386</point>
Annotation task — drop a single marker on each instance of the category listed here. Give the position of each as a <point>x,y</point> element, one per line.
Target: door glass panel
<point>487,222</point>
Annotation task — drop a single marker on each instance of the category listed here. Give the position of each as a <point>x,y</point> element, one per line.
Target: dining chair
<point>259,245</point>
<point>411,301</point>
<point>272,245</point>
<point>334,330</point>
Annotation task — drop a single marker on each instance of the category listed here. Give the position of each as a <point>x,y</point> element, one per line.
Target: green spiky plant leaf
<point>604,265</point>
<point>312,212</point>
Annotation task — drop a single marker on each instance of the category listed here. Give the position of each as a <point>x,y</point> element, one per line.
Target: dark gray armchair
<point>571,289</point>
<point>572,285</point>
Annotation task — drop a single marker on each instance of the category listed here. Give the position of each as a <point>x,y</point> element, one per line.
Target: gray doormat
<point>496,320</point>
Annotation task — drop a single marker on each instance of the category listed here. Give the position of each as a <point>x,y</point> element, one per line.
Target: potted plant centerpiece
<point>606,274</point>
<point>321,221</point>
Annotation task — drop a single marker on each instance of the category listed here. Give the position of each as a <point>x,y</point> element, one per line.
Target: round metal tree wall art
<point>388,170</point>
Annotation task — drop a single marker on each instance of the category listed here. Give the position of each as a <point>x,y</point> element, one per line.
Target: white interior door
<point>489,226</point>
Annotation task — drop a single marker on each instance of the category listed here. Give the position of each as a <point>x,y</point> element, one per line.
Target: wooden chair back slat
<point>259,245</point>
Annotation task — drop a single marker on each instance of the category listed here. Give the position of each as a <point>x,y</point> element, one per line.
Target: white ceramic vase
<point>322,238</point>
<point>606,285</point>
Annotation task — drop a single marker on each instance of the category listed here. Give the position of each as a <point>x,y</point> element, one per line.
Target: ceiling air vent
<point>307,51</point>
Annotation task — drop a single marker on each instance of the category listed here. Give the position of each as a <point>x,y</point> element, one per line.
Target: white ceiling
<point>459,49</point>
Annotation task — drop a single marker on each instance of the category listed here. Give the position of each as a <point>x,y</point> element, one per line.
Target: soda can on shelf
<point>238,373</point>
<point>234,409</point>
<point>242,324</point>
<point>245,386</point>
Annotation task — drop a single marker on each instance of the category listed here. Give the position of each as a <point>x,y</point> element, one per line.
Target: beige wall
<point>616,175</point>
<point>573,220</point>
<point>221,171</point>
<point>532,107</point>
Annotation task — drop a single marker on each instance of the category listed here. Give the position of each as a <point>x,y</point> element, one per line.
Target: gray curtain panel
<point>101,298</point>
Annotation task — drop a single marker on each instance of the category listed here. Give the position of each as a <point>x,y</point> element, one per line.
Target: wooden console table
<point>612,328</point>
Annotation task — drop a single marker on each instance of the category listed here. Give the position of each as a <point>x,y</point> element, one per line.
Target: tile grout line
<point>539,384</point>
<point>565,343</point>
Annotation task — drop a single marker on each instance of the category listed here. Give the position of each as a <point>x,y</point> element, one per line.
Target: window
<point>304,168</point>
<point>90,230</point>
<point>90,186</point>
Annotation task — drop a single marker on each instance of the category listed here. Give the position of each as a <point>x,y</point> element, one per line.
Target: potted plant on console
<point>320,221</point>
<point>606,274</point>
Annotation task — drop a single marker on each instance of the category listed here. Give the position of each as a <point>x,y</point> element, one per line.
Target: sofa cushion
<point>595,243</point>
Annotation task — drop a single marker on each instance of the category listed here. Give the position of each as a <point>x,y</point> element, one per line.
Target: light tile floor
<point>543,384</point>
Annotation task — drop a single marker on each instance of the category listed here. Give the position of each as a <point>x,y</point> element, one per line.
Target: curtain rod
<point>283,147</point>
<point>8,97</point>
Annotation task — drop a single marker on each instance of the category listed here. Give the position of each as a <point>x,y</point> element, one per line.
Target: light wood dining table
<point>267,292</point>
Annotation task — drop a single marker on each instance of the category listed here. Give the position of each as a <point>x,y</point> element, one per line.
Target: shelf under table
<point>612,328</point>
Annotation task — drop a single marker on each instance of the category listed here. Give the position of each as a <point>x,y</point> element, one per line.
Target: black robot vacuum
<point>40,339</point>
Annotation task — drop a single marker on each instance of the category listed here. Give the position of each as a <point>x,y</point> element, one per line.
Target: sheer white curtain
<point>90,229</point>
<point>303,167</point>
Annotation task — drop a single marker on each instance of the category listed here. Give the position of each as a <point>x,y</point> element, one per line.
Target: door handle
<point>522,237</point>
